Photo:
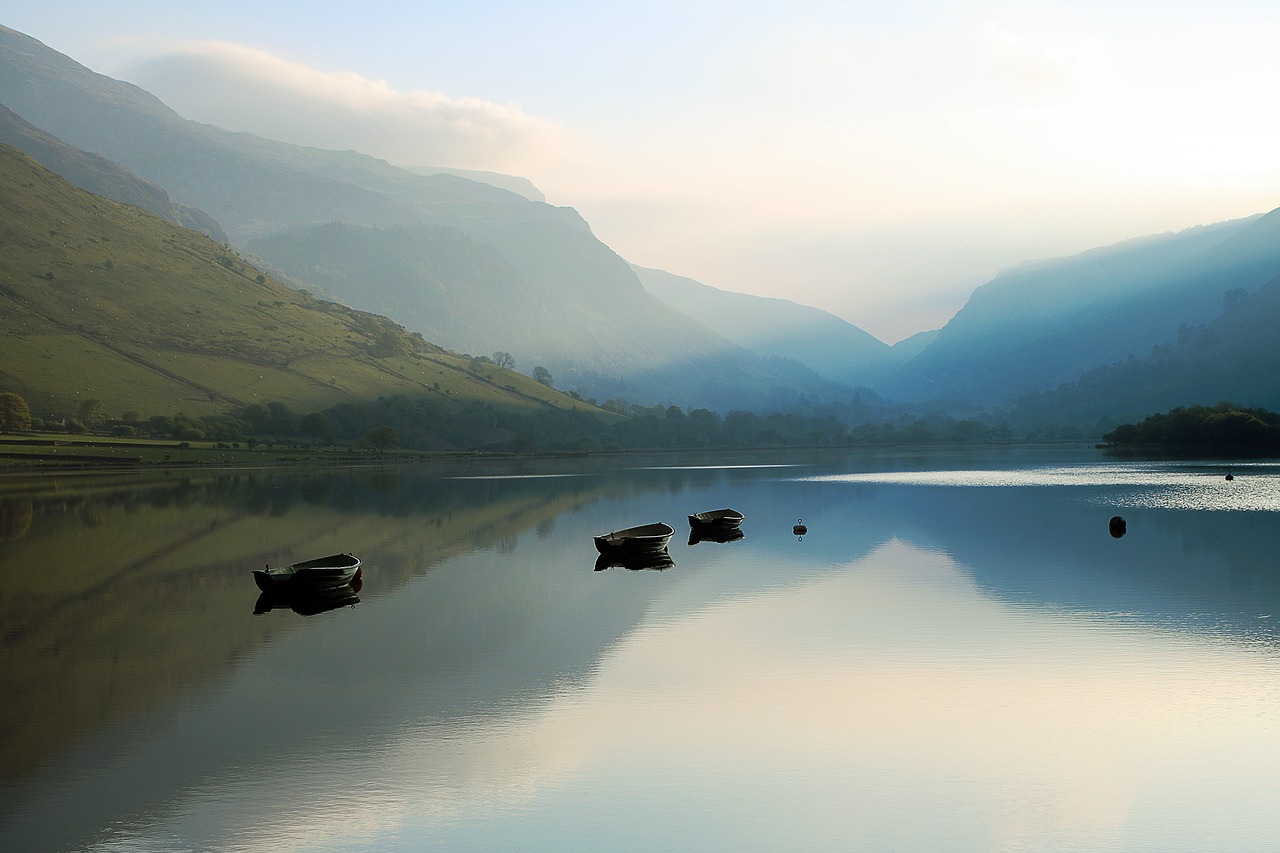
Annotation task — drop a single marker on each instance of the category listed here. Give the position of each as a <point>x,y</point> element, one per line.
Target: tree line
<point>1223,427</point>
<point>400,421</point>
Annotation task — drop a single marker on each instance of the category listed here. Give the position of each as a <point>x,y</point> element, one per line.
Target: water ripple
<point>1255,487</point>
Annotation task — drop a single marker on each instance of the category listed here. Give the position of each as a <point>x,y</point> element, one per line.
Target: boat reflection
<point>650,560</point>
<point>714,534</point>
<point>308,601</point>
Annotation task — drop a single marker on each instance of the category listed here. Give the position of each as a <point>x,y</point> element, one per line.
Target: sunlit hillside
<point>108,302</point>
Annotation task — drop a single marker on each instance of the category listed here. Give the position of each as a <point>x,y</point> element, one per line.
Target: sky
<point>876,159</point>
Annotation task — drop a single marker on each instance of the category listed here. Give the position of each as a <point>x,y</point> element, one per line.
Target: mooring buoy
<point>1117,526</point>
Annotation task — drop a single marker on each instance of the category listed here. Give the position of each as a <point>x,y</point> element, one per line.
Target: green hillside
<point>466,264</point>
<point>99,175</point>
<point>103,301</point>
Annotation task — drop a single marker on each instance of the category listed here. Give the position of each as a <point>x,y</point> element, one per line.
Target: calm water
<point>956,657</point>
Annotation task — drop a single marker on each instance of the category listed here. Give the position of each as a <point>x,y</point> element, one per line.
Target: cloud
<point>244,89</point>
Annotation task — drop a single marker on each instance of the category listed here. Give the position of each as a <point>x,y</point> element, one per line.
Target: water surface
<point>956,656</point>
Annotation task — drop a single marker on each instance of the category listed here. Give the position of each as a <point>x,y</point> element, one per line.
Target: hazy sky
<point>877,159</point>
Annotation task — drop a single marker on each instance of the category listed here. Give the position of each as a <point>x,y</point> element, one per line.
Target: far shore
<point>53,452</point>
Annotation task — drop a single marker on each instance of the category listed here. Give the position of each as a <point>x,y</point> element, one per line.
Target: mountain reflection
<point>102,573</point>
<point>484,662</point>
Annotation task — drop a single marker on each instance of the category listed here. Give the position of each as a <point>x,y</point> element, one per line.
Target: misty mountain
<point>101,176</point>
<point>469,265</point>
<point>909,348</point>
<point>1040,324</point>
<point>828,345</point>
<point>479,263</point>
<point>106,301</point>
<point>387,270</point>
<point>1233,358</point>
<point>513,183</point>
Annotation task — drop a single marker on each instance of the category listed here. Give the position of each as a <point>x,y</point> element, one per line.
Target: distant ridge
<point>1040,324</point>
<point>833,348</point>
<point>521,186</point>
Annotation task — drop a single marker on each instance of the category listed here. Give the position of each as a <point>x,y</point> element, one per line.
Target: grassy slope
<point>103,301</point>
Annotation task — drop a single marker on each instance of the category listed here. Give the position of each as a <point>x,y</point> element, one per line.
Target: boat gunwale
<point>651,536</point>
<point>332,571</point>
<point>717,518</point>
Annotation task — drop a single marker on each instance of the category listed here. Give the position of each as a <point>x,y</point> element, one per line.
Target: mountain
<point>1038,325</point>
<point>831,347</point>
<point>480,263</point>
<point>106,301</point>
<point>513,183</point>
<point>469,265</point>
<point>101,176</point>
<point>1233,358</point>
<point>909,348</point>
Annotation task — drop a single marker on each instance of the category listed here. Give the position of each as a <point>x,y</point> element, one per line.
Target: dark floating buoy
<point>799,529</point>
<point>1117,526</point>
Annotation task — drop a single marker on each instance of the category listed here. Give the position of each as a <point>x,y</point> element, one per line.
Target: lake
<point>957,656</point>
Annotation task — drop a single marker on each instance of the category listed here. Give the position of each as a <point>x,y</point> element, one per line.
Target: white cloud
<point>243,89</point>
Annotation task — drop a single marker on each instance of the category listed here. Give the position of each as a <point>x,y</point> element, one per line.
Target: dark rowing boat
<point>646,537</point>
<point>321,573</point>
<point>719,518</point>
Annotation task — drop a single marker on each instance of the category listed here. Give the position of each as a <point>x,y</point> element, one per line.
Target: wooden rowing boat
<point>646,537</point>
<point>722,518</point>
<point>320,573</point>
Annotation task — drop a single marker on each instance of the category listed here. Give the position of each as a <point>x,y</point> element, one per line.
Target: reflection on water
<point>715,534</point>
<point>1191,487</point>
<point>960,657</point>
<point>308,601</point>
<point>656,561</point>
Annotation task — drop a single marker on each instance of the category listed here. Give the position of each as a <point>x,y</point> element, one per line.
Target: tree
<point>504,359</point>
<point>283,420</point>
<point>380,438</point>
<point>14,413</point>
<point>541,374</point>
<point>91,413</point>
<point>160,425</point>
<point>258,416</point>
<point>316,425</point>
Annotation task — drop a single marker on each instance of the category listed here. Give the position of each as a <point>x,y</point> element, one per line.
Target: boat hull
<point>321,573</point>
<point>646,538</point>
<point>722,519</point>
